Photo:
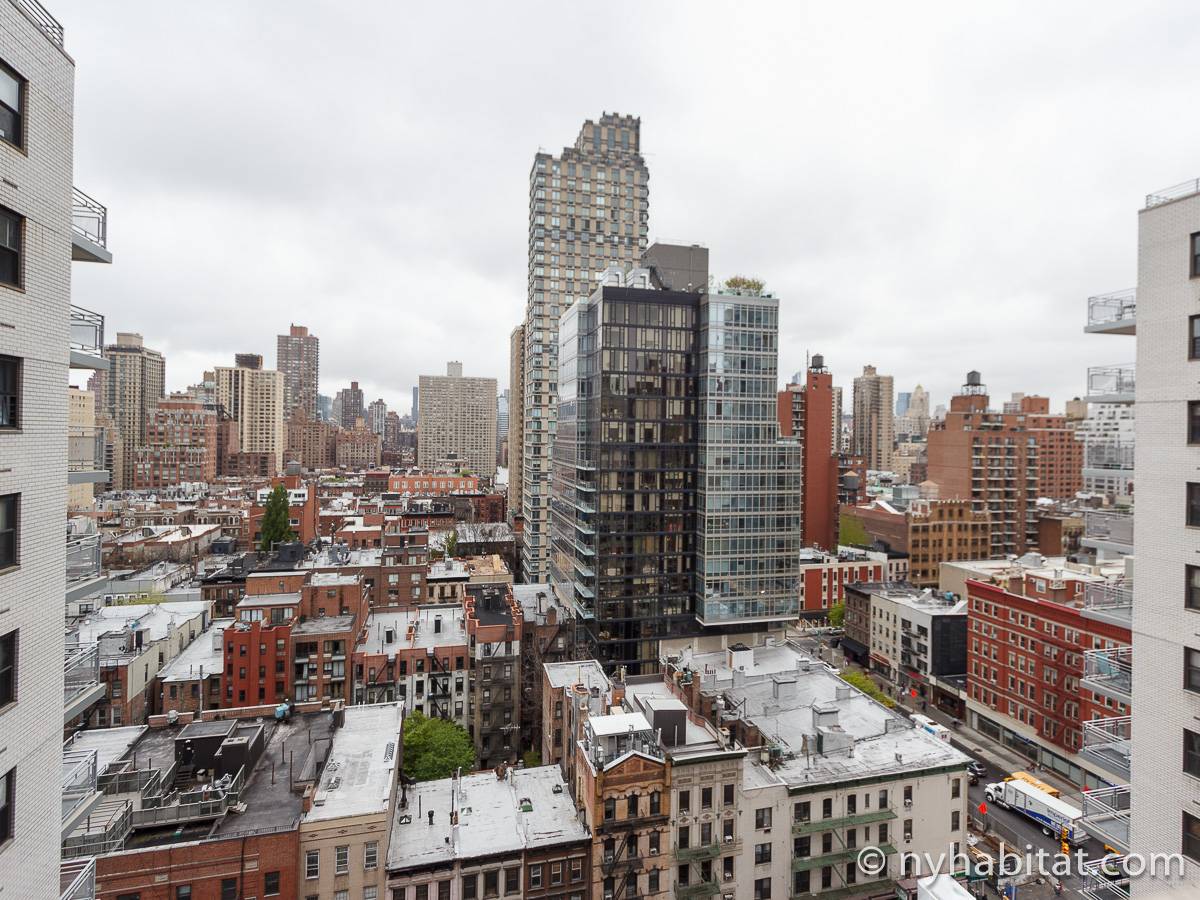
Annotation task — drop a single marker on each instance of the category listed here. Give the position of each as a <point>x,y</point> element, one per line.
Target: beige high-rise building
<point>253,397</point>
<point>298,358</point>
<point>132,386</point>
<point>588,209</point>
<point>516,417</point>
<point>456,422</point>
<point>81,441</point>
<point>874,418</point>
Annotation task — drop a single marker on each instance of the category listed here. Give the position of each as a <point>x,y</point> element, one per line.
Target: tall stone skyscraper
<point>253,397</point>
<point>588,208</point>
<point>874,421</point>
<point>297,357</point>
<point>349,406</point>
<point>516,419</point>
<point>131,388</point>
<point>457,424</point>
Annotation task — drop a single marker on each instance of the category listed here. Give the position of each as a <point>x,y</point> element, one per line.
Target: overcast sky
<point>929,188</point>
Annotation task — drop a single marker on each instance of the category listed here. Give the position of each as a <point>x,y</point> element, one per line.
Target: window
<point>422,892</point>
<point>1195,267</point>
<point>706,798</point>
<point>341,860</point>
<point>8,668</point>
<point>954,820</point>
<point>229,889</point>
<point>443,890</point>
<point>762,817</point>
<point>10,392</point>
<point>512,879</point>
<point>762,889</point>
<point>470,886</point>
<point>10,248</point>
<point>556,875</point>
<point>370,893</point>
<point>312,864</point>
<point>655,803</point>
<point>1191,837</point>
<point>8,788</point>
<point>371,855</point>
<point>631,806</point>
<point>1193,503</point>
<point>576,871</point>
<point>341,895</point>
<point>652,881</point>
<point>271,883</point>
<point>12,104</point>
<point>8,531</point>
<point>1191,596</point>
<point>685,801</point>
<point>827,808</point>
<point>801,882</point>
<point>727,799</point>
<point>183,892</point>
<point>802,811</point>
<point>1191,753</point>
<point>1194,337</point>
<point>610,808</point>
<point>955,788</point>
<point>535,876</point>
<point>1191,669</point>
<point>762,854</point>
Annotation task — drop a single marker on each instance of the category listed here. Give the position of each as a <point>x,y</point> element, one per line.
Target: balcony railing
<point>49,25</point>
<point>1174,192</point>
<point>89,218</point>
<point>81,668</point>
<point>78,779</point>
<point>1112,309</point>
<point>83,558</point>
<point>1107,743</point>
<point>1105,879</point>
<point>1111,384</point>
<point>85,448</point>
<point>1108,526</point>
<point>1106,815</point>
<point>87,331</point>
<point>697,853</point>
<point>1108,454</point>
<point>77,880</point>
<point>1109,672</point>
<point>1112,602</point>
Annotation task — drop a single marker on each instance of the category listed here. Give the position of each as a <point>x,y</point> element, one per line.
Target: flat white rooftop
<point>203,655</point>
<point>361,768</point>
<point>618,723</point>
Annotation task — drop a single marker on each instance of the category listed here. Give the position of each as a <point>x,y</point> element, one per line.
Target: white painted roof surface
<point>205,652</point>
<point>110,744</point>
<point>361,768</point>
<point>618,723</point>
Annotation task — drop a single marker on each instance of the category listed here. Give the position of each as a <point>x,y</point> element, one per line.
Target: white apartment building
<point>456,422</point>
<point>1164,795</point>
<point>41,232</point>
<point>254,397</point>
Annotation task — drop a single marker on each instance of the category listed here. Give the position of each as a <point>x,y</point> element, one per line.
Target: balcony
<point>698,853</point>
<point>79,791</point>
<point>1111,384</point>
<point>1112,603</point>
<point>87,339</point>
<point>803,864</point>
<point>1109,456</point>
<point>1106,742</point>
<point>1104,879</point>
<point>1113,313</point>
<point>82,687</point>
<point>85,454</point>
<point>89,229</point>
<point>1106,816</point>
<point>1109,673</point>
<point>46,23</point>
<point>77,880</point>
<point>1108,530</point>
<point>83,565</point>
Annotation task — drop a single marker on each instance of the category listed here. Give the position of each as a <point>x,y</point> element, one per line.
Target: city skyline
<point>828,206</point>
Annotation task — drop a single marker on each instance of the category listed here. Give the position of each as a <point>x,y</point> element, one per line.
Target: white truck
<point>1055,816</point>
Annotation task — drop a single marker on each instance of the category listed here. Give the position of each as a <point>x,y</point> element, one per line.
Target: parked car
<point>976,768</point>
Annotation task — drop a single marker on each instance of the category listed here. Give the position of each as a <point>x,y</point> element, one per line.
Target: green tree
<point>837,614</point>
<point>450,545</point>
<point>275,527</point>
<point>435,748</point>
<point>745,283</point>
<point>864,683</point>
<point>532,759</point>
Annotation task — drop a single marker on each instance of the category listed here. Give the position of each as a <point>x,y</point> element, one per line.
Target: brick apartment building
<point>929,532</point>
<point>303,512</point>
<point>1044,676</point>
<point>823,576</point>
<point>311,442</point>
<point>807,412</point>
<point>1003,462</point>
<point>432,484</point>
<point>180,445</point>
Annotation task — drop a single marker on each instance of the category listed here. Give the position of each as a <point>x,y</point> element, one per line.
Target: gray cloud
<point>929,189</point>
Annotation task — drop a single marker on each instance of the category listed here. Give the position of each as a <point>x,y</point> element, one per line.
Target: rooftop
<point>201,656</point>
<point>156,619</point>
<point>253,601</point>
<point>361,769</point>
<point>587,672</point>
<point>332,579</point>
<point>324,625</point>
<point>425,629</point>
<point>525,808</point>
